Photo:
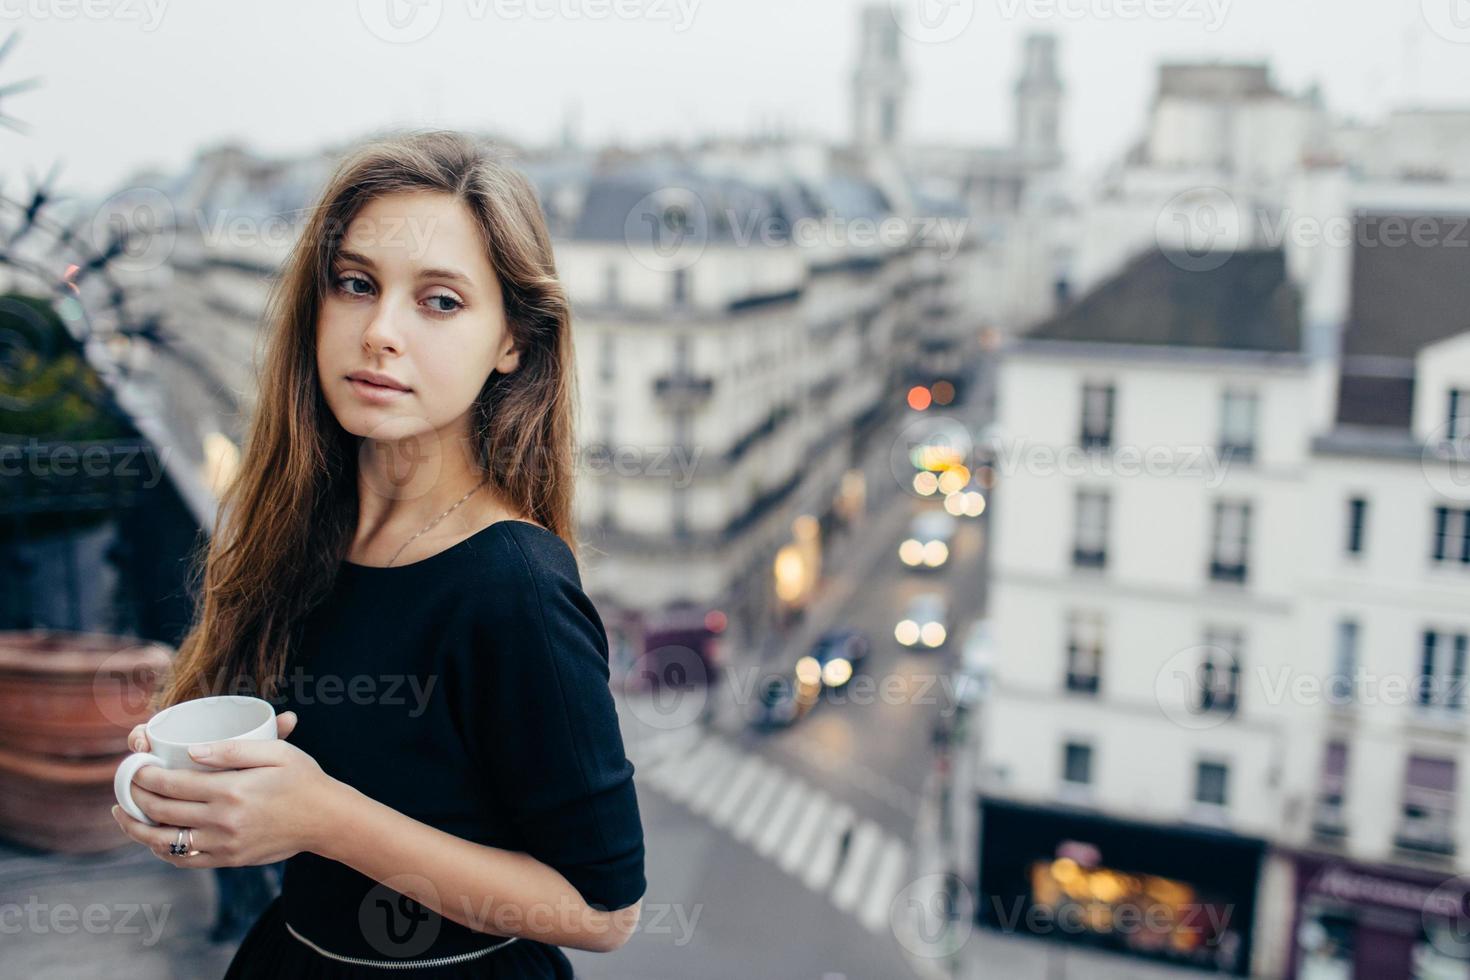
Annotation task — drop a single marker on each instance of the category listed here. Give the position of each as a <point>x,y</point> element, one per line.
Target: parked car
<point>927,544</point>
<point>838,654</point>
<point>924,622</point>
<point>783,699</point>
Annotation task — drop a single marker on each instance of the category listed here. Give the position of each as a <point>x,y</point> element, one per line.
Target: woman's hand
<point>264,812</point>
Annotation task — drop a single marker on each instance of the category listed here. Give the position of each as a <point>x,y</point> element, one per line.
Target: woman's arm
<point>488,889</point>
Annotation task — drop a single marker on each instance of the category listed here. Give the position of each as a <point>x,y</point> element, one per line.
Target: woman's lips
<point>378,394</point>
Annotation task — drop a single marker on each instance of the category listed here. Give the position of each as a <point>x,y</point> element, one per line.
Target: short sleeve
<point>543,723</point>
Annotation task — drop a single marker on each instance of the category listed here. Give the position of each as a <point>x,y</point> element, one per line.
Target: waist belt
<point>402,964</point>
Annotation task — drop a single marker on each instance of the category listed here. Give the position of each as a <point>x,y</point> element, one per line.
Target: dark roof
<point>1167,299</point>
<point>1410,289</point>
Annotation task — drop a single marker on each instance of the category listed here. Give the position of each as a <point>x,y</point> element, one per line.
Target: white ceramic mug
<point>174,729</point>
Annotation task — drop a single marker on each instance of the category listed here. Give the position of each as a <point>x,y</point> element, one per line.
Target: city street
<point>812,825</point>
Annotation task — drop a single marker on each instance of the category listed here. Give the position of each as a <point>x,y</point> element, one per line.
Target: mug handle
<point>122,783</point>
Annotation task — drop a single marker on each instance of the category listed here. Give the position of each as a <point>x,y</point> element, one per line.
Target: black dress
<point>469,691</point>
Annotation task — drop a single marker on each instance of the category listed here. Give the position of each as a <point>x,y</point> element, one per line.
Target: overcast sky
<point>149,81</point>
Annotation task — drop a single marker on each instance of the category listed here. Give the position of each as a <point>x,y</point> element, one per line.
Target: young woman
<point>395,569</point>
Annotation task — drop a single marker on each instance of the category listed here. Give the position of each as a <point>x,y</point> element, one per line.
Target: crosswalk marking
<point>673,776</point>
<point>865,842</point>
<point>807,829</point>
<point>711,778</point>
<point>782,817</point>
<point>892,864</point>
<point>774,832</point>
<point>748,821</point>
<point>722,809</point>
<point>823,863</point>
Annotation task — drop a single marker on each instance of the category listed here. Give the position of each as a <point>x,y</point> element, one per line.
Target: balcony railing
<point>1329,822</point>
<point>683,392</point>
<point>1083,557</point>
<point>1431,834</point>
<point>1081,683</point>
<point>1232,572</point>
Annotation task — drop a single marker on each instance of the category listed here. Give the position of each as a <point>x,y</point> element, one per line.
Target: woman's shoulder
<point>518,568</point>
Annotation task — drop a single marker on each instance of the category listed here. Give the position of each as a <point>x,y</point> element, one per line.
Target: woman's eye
<point>344,283</point>
<point>454,304</point>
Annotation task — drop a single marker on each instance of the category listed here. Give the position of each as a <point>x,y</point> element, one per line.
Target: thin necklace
<point>436,521</point>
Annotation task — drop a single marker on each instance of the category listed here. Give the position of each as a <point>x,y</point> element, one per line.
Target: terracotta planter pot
<point>75,695</point>
<point>67,703</point>
<point>59,805</point>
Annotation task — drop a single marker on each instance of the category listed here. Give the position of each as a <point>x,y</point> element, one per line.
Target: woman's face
<point>411,297</point>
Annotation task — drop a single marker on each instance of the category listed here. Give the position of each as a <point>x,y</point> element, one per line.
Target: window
<point>1231,541</point>
<point>1343,680</point>
<point>1357,525</point>
<point>1219,671</point>
<point>1090,541</point>
<point>1210,783</point>
<point>610,290</point>
<point>1451,536</point>
<point>1077,764</point>
<point>1084,652</point>
<point>1097,416</point>
<point>1427,822</point>
<point>1328,820</point>
<point>1238,425</point>
<point>1457,424</point>
<point>1442,671</point>
<point>608,361</point>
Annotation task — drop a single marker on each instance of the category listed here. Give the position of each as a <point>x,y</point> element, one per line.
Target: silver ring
<point>178,848</point>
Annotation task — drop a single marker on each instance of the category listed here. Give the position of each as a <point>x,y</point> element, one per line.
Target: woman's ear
<point>510,359</point>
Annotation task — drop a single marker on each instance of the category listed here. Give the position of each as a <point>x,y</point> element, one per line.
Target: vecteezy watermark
<point>1198,687</point>
<point>407,21</point>
<point>1210,13</point>
<point>148,13</point>
<point>397,917</point>
<point>411,691</point>
<point>143,227</point>
<point>933,916</point>
<point>1200,228</point>
<point>36,917</point>
<point>932,21</point>
<point>669,229</point>
<point>1450,19</point>
<point>125,459</point>
<point>1445,910</point>
<point>1208,464</point>
<point>671,685</point>
<point>675,462</point>
<point>1201,919</point>
<point>1445,459</point>
<point>833,231</point>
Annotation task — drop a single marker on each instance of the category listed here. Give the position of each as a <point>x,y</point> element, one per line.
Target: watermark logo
<point>1210,14</point>
<point>147,13</point>
<point>400,21</point>
<point>143,221</point>
<point>1445,459</point>
<point>1199,229</point>
<point>668,229</point>
<point>394,924</point>
<point>1189,686</point>
<point>672,687</point>
<point>929,440</point>
<point>1450,19</point>
<point>932,21</point>
<point>933,916</point>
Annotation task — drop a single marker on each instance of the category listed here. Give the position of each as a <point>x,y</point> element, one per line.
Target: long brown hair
<point>287,519</point>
